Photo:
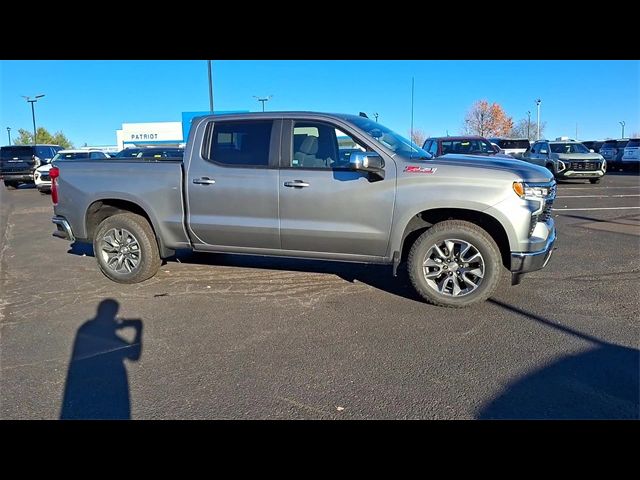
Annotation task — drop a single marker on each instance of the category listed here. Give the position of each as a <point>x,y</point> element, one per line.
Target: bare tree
<point>418,136</point>
<point>525,128</point>
<point>486,120</point>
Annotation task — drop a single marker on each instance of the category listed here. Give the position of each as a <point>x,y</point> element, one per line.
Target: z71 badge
<point>414,169</point>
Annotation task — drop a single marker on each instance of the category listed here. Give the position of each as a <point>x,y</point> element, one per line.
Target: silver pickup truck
<point>314,185</point>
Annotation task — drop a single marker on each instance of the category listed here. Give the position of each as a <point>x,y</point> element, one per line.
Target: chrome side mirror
<point>369,162</point>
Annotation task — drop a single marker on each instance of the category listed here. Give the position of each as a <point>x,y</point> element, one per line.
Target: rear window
<point>622,143</point>
<point>634,143</point>
<point>128,153</point>
<point>9,153</point>
<point>609,144</point>
<point>71,156</point>
<point>521,144</point>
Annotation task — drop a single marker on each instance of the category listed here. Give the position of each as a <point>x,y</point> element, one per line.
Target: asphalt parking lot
<point>239,337</point>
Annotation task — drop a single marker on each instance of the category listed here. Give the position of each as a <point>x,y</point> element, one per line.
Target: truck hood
<point>524,170</point>
<point>591,157</point>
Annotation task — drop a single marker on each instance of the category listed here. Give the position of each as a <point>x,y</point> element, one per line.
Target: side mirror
<point>591,150</point>
<point>367,162</point>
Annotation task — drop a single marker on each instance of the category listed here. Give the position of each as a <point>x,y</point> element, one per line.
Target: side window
<point>241,143</point>
<point>427,145</point>
<point>535,148</point>
<point>97,155</point>
<point>318,145</point>
<point>544,148</point>
<point>433,148</point>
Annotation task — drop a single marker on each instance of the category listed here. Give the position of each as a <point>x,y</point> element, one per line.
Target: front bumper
<point>63,229</point>
<point>524,262</point>
<point>580,174</point>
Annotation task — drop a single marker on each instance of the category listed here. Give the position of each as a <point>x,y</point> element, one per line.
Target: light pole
<point>33,115</point>
<point>9,134</point>
<point>528,124</point>
<point>376,116</point>
<point>623,124</point>
<point>210,87</point>
<point>538,102</point>
<point>263,100</point>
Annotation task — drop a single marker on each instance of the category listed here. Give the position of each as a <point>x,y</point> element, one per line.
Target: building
<point>166,134</point>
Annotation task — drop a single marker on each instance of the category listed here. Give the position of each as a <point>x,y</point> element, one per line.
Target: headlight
<point>530,192</point>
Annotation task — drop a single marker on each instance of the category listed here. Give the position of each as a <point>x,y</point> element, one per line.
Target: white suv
<point>41,174</point>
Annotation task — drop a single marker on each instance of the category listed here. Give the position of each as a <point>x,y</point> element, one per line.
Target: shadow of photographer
<point>97,385</point>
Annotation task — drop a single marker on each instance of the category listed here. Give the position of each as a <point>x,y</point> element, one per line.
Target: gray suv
<point>567,159</point>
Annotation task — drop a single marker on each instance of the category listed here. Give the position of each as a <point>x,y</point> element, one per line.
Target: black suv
<point>18,162</point>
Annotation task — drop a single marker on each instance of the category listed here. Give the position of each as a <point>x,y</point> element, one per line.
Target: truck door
<point>324,205</point>
<point>232,185</point>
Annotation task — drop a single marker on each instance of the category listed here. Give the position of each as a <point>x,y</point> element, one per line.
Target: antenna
<point>412,89</point>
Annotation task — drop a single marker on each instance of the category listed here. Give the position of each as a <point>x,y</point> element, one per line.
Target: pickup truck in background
<point>278,184</point>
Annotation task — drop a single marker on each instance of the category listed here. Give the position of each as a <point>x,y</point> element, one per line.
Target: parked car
<point>512,146</point>
<point>613,150</point>
<point>567,159</point>
<point>631,155</point>
<point>594,145</point>
<point>41,175</point>
<point>18,162</point>
<point>275,184</point>
<point>129,152</point>
<point>466,145</point>
<point>161,152</point>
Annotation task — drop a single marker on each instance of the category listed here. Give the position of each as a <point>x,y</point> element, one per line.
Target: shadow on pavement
<point>602,383</point>
<point>97,385</point>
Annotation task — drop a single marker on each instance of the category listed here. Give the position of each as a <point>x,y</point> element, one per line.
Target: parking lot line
<point>598,196</point>
<point>594,188</point>
<point>596,208</point>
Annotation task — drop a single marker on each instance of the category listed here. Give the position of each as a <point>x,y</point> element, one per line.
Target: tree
<point>487,120</point>
<point>418,136</point>
<point>525,128</point>
<point>25,137</point>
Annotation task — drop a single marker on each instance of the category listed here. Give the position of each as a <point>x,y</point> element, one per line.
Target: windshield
<point>568,148</point>
<point>467,147</point>
<point>389,138</point>
<point>128,153</point>
<point>633,143</point>
<point>70,155</point>
<point>507,144</point>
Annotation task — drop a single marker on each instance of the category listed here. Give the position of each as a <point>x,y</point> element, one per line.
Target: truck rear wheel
<point>126,248</point>
<point>11,185</point>
<point>455,264</point>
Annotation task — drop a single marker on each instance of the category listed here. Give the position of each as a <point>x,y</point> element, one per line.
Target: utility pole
<point>528,124</point>
<point>263,100</point>
<point>623,124</point>
<point>9,134</point>
<point>210,86</point>
<point>538,102</point>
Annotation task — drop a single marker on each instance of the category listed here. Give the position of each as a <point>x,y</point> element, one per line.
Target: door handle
<point>204,181</point>
<point>296,183</point>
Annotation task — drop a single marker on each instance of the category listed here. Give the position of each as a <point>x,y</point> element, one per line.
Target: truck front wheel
<point>126,249</point>
<point>455,264</point>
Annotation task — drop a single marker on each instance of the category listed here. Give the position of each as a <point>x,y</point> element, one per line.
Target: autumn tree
<point>525,128</point>
<point>25,137</point>
<point>418,136</point>
<point>487,120</point>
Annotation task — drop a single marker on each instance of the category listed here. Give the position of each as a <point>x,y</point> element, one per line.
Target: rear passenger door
<point>232,186</point>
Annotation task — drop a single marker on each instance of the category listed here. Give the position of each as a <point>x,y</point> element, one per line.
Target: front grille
<point>546,212</point>
<point>45,178</point>
<point>584,166</point>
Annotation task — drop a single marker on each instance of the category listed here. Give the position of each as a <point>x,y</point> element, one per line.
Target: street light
<point>623,124</point>
<point>376,115</point>
<point>538,102</point>
<point>263,100</point>
<point>9,134</point>
<point>33,115</point>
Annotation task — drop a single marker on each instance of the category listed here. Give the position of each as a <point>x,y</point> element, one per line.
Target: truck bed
<point>154,185</point>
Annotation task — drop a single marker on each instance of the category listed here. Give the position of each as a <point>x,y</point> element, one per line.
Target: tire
<point>136,264</point>
<point>594,181</point>
<point>11,185</point>
<point>464,233</point>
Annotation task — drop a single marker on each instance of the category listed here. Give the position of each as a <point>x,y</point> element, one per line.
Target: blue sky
<point>89,100</point>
